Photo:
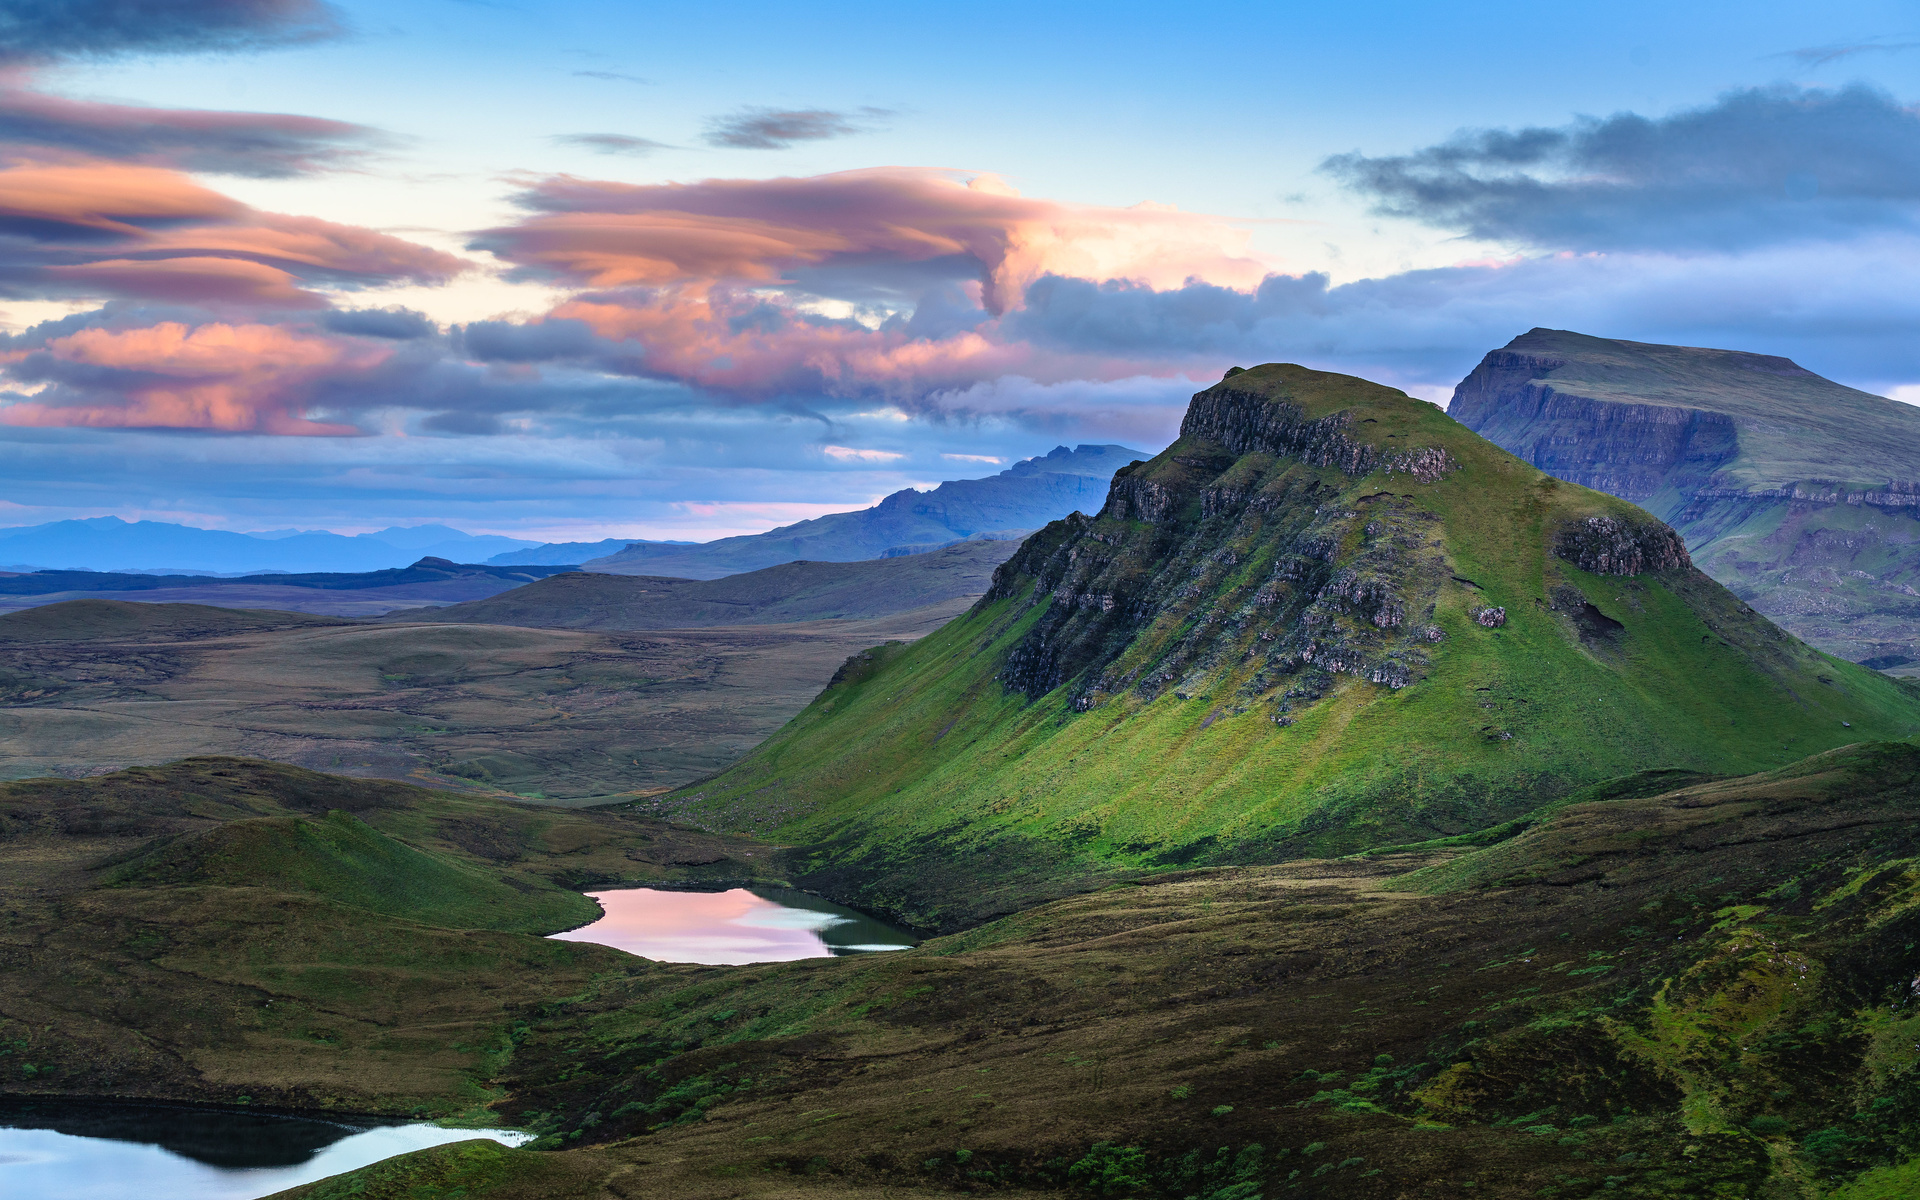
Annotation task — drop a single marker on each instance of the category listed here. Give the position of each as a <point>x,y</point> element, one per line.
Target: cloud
<point>848,454</point>
<point>613,75</point>
<point>393,323</point>
<point>54,29</point>
<point>973,458</point>
<point>263,145</point>
<point>610,143</point>
<point>886,233</point>
<point>86,228</point>
<point>1760,166</point>
<point>217,377</point>
<point>1820,56</point>
<point>777,129</point>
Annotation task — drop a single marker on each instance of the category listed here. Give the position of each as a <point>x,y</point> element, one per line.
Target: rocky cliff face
<point>1793,491</point>
<point>1634,451</point>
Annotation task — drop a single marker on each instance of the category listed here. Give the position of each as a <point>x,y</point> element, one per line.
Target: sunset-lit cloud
<point>884,233</point>
<point>216,377</point>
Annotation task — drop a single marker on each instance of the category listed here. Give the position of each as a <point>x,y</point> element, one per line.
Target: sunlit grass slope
<point>1275,640</point>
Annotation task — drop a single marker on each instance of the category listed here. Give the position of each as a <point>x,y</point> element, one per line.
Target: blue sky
<point>908,244</point>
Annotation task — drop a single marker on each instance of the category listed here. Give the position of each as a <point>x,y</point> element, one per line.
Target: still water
<point>74,1151</point>
<point>739,926</point>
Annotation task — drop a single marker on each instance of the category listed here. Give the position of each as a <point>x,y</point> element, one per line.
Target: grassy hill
<point>1328,617</point>
<point>1024,496</point>
<point>233,931</point>
<point>797,591</point>
<point>1799,494</point>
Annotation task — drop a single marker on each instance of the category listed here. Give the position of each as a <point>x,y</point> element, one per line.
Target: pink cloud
<point>216,377</point>
<point>605,235</point>
<point>743,345</point>
<point>106,230</point>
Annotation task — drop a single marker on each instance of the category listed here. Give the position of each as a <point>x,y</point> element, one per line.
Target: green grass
<point>342,859</point>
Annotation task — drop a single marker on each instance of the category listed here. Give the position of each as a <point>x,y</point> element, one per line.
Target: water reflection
<point>744,925</point>
<point>64,1150</point>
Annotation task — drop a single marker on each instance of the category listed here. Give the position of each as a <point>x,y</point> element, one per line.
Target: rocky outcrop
<point>1250,567</point>
<point>1611,546</point>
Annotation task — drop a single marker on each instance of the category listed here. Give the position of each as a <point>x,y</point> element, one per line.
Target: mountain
<point>111,544</point>
<point>554,554</point>
<point>798,591</point>
<point>1799,494</point>
<point>342,594</point>
<point>1023,497</point>
<point>1328,617</point>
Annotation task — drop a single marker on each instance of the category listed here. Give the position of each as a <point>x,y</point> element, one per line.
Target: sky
<point>576,270</point>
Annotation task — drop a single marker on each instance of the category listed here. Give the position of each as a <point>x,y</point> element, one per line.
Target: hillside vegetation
<point>1799,494</point>
<point>1328,617</point>
<point>1706,992</point>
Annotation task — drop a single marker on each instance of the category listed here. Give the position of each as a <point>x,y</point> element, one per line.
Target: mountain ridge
<point>1019,499</point>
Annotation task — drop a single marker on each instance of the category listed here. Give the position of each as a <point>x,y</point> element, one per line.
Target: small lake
<point>745,925</point>
<point>63,1150</point>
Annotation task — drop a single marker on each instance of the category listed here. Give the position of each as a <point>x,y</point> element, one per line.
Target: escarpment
<point>1797,493</point>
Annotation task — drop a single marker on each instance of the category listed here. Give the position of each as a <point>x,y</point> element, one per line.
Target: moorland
<point>1346,808</point>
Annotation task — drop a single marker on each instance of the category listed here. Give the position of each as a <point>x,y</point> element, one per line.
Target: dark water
<point>745,925</point>
<point>59,1150</point>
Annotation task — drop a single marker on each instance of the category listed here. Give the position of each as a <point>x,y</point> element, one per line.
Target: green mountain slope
<point>796,591</point>
<point>1801,495</point>
<point>1327,617</point>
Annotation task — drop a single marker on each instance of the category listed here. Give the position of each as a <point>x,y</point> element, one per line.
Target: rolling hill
<point>1023,497</point>
<point>1328,617</point>
<point>797,591</point>
<point>1799,494</point>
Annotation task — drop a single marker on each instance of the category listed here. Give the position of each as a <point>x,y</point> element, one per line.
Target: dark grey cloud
<point>517,342</point>
<point>610,143</point>
<point>776,129</point>
<point>262,145</point>
<point>41,30</point>
<point>394,324</point>
<point>1759,166</point>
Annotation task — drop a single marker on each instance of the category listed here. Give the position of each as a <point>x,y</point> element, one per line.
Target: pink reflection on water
<point>716,928</point>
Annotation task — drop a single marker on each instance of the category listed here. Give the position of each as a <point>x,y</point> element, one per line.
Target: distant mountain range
<point>111,544</point>
<point>1796,492</point>
<point>430,581</point>
<point>1018,500</point>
